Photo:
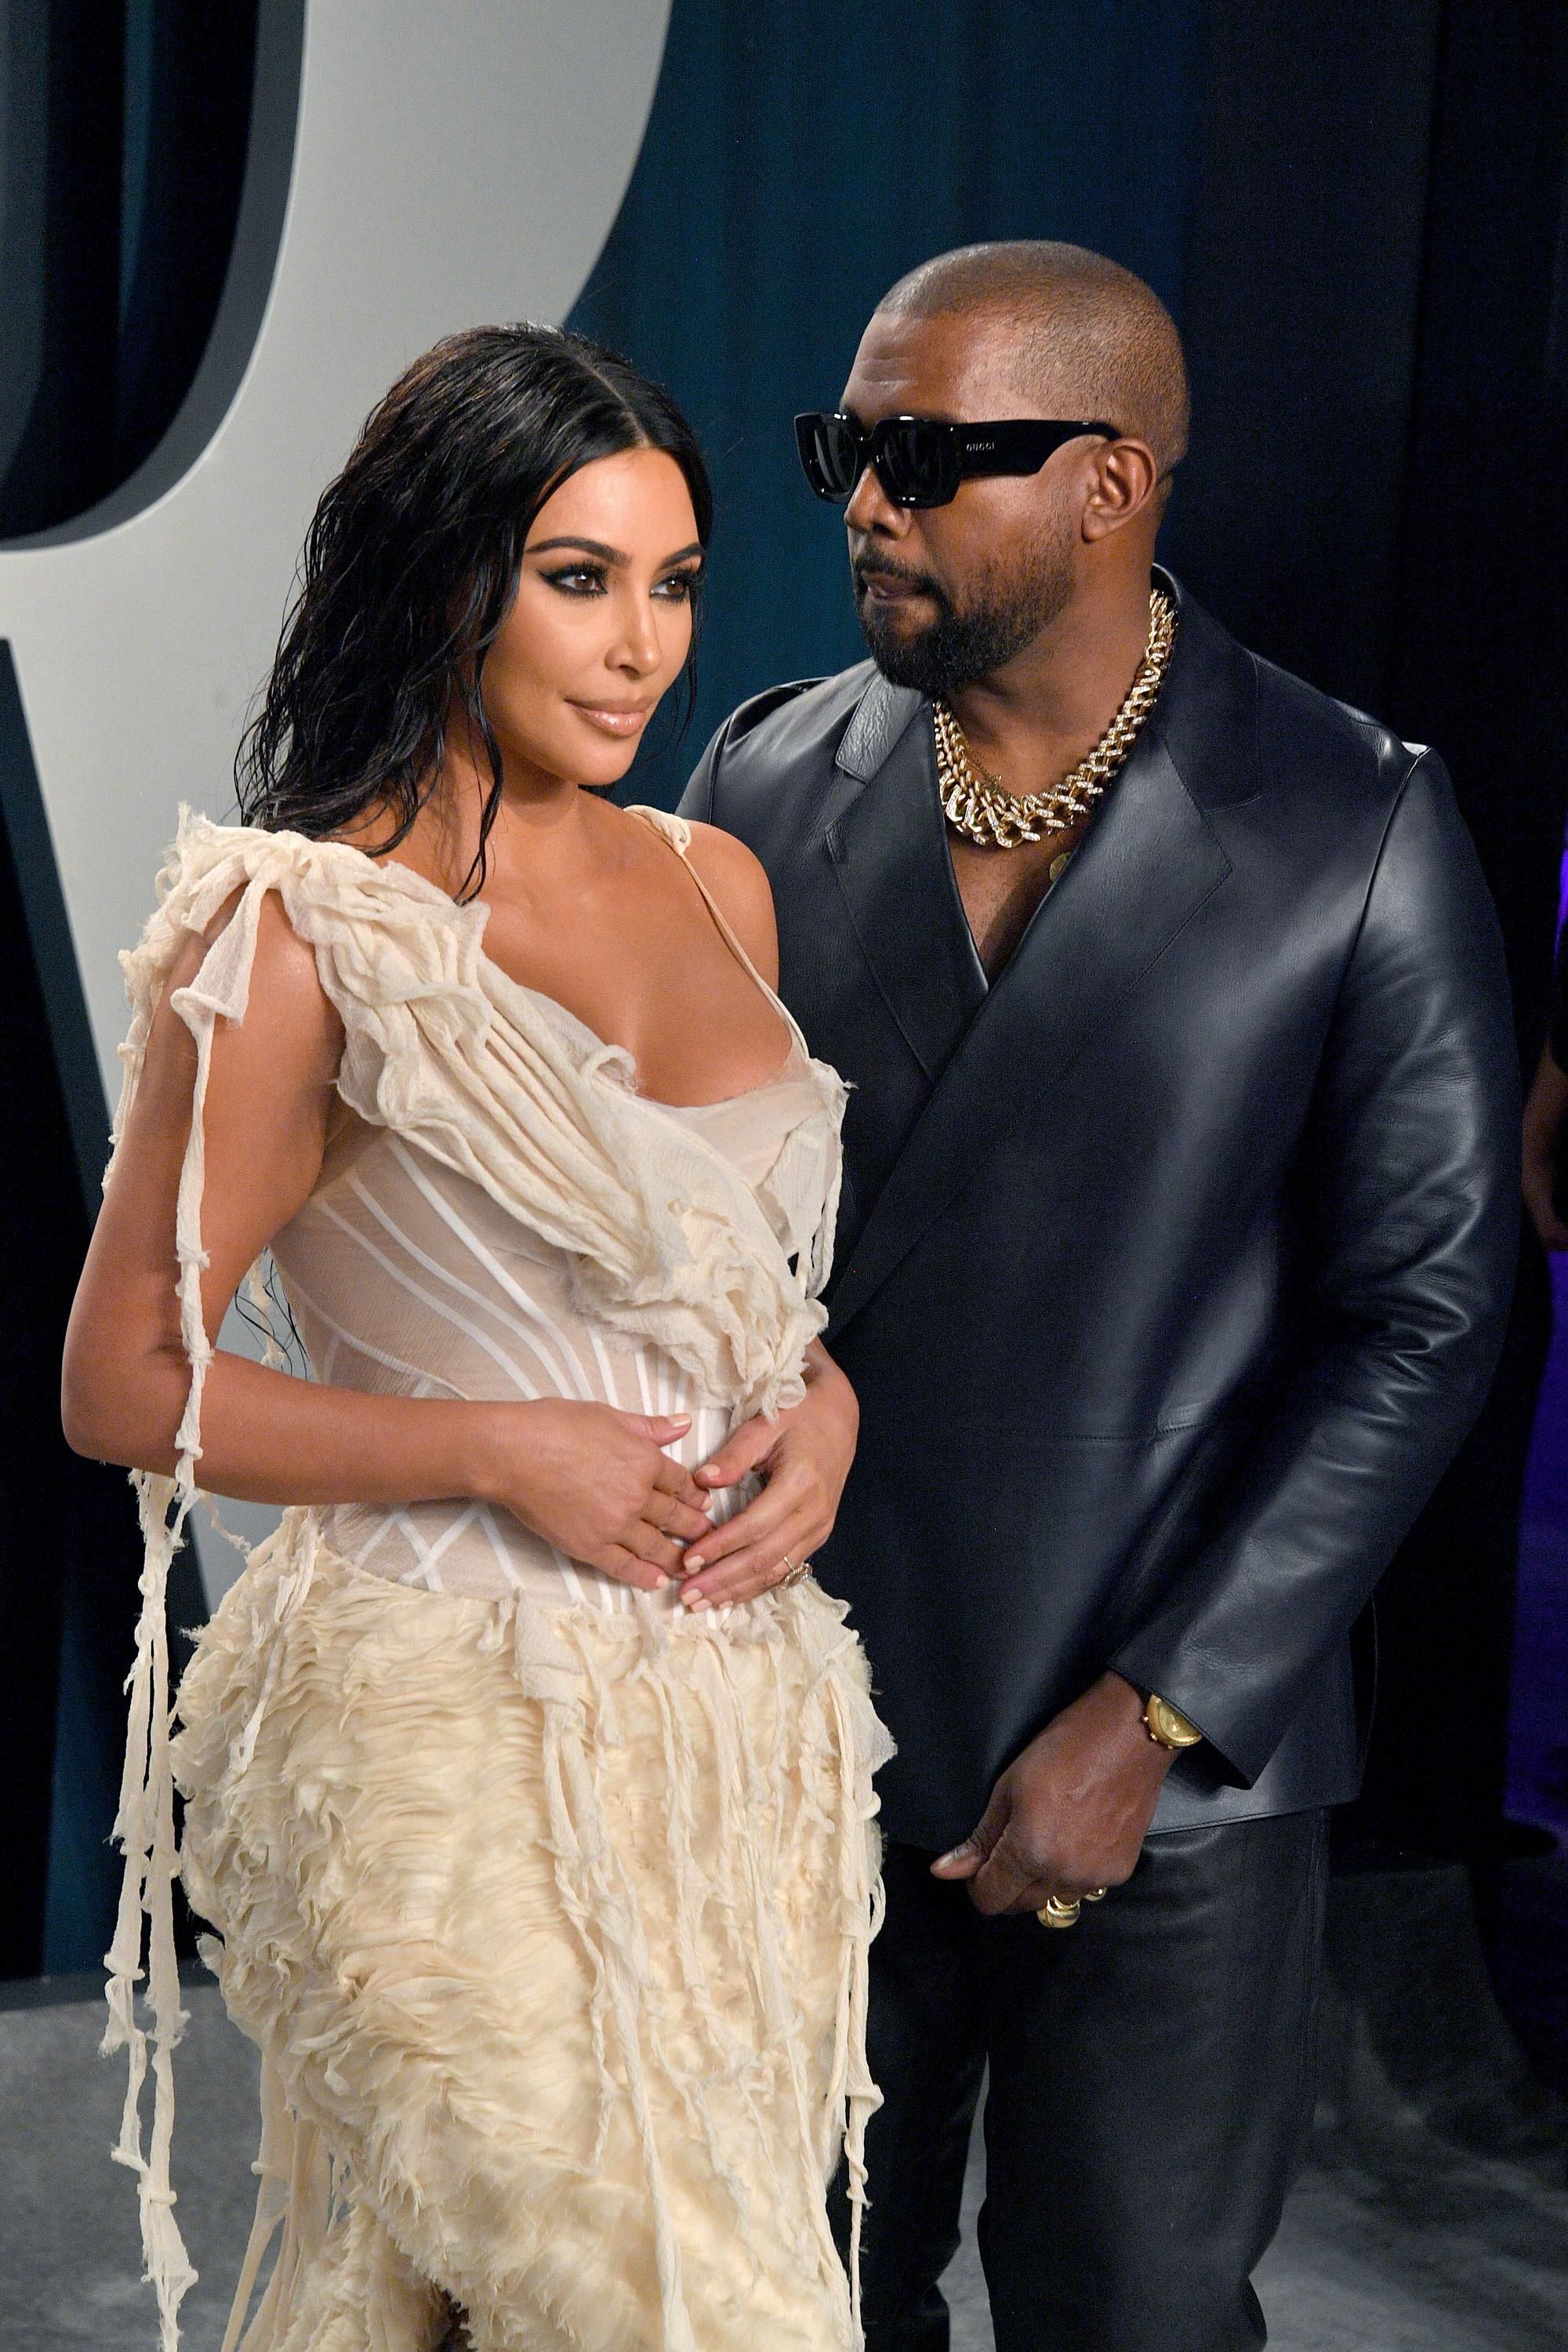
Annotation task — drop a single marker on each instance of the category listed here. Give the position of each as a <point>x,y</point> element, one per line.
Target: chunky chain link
<point>977,806</point>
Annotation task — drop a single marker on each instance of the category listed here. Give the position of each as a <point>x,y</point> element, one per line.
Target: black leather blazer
<point>1173,1267</point>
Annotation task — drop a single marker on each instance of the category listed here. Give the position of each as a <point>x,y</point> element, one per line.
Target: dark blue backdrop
<point>797,162</point>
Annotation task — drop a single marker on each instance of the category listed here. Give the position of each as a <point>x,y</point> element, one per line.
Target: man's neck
<point>1033,720</point>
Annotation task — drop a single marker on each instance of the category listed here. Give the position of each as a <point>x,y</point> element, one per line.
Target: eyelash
<point>684,583</point>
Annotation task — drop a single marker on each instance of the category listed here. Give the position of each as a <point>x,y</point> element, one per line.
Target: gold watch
<point>1166,1728</point>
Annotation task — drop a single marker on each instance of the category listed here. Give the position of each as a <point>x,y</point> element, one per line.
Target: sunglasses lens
<point>913,463</point>
<point>830,455</point>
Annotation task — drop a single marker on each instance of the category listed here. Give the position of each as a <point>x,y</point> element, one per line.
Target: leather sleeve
<point>696,802</point>
<point>1415,1141</point>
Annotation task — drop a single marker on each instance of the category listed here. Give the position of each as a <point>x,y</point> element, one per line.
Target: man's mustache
<point>861,571</point>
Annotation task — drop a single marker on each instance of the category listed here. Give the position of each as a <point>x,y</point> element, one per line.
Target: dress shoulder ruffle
<point>441,1045</point>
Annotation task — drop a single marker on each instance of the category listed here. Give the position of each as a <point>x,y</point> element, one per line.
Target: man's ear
<point>1126,483</point>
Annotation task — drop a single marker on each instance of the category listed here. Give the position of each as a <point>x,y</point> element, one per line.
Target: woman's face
<point>602,620</point>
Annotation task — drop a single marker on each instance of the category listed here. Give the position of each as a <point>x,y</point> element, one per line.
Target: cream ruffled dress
<point>547,1901</point>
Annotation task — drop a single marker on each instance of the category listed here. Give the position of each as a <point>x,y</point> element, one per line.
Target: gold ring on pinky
<point>1062,1910</point>
<point>796,1575</point>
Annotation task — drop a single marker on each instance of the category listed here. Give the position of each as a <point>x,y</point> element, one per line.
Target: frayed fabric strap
<point>296,2197</point>
<point>144,1824</point>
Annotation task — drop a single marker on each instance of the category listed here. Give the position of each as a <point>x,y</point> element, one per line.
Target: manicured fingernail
<point>695,1600</point>
<point>694,1562</point>
<point>660,1581</point>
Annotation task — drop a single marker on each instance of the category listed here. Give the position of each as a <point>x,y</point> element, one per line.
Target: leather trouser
<point>1149,2090</point>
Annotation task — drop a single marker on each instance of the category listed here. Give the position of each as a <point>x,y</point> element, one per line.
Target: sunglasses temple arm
<point>1022,443</point>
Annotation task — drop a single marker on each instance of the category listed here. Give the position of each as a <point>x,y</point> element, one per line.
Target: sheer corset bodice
<point>407,1278</point>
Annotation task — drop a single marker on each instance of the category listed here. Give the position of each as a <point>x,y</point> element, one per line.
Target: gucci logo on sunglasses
<point>921,460</point>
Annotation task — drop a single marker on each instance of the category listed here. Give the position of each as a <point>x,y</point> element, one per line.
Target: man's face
<point>948,594</point>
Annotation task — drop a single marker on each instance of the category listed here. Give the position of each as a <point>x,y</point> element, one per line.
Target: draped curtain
<point>123,131</point>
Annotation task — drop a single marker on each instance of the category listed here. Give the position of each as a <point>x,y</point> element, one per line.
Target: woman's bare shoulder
<point>739,882</point>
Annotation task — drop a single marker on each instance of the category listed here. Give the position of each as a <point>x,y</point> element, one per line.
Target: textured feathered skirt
<point>552,1931</point>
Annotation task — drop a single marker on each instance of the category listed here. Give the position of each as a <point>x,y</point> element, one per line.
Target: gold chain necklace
<point>977,806</point>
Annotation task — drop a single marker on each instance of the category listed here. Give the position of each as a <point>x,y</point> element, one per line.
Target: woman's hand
<point>594,1482</point>
<point>1543,1117</point>
<point>805,1457</point>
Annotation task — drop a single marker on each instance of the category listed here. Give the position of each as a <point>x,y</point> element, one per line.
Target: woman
<point>527,1776</point>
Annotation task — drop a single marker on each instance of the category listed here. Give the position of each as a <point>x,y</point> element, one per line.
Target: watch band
<point>1166,1728</point>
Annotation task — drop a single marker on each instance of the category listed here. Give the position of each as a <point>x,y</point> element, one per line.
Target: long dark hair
<point>411,565</point>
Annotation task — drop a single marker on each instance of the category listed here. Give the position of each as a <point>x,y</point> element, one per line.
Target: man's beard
<point>1006,609</point>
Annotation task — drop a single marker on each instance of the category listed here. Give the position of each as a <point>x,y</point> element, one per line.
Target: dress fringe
<point>699,2057</point>
<point>144,1823</point>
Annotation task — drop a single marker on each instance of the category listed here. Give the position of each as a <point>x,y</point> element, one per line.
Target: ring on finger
<point>1062,1910</point>
<point>1059,1911</point>
<point>794,1574</point>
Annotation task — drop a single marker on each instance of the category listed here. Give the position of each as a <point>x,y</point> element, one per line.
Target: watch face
<point>1170,1729</point>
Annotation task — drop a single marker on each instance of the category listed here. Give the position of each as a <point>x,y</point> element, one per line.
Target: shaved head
<point>1092,340</point>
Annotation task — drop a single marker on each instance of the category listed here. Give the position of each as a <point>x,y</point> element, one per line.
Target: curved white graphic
<point>451,164</point>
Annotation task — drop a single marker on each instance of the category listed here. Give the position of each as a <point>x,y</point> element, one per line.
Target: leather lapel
<point>1144,870</point>
<point>889,849</point>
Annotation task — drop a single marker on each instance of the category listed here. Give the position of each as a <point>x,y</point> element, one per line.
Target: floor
<point>1455,2255</point>
<point>1418,2247</point>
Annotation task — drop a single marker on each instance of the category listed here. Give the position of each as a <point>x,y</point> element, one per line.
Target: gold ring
<point>796,1575</point>
<point>1097,1895</point>
<point>1059,1912</point>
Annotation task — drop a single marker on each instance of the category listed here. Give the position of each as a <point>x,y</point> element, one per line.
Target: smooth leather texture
<point>1149,2092</point>
<point>1172,1268</point>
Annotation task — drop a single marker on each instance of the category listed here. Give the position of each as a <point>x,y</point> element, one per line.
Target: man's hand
<point>805,1457</point>
<point>1545,1115</point>
<point>1071,1812</point>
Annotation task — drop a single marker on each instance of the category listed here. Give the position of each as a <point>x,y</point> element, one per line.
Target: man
<point>1175,1244</point>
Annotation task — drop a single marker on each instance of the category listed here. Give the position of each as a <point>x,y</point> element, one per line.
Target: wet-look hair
<point>411,565</point>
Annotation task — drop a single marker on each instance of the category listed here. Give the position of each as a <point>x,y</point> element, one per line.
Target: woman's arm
<point>589,1479</point>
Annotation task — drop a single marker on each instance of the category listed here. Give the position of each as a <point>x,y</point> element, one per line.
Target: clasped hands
<point>1069,1815</point>
<point>597,1482</point>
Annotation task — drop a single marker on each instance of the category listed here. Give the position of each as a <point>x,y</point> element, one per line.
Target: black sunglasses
<point>921,460</point>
